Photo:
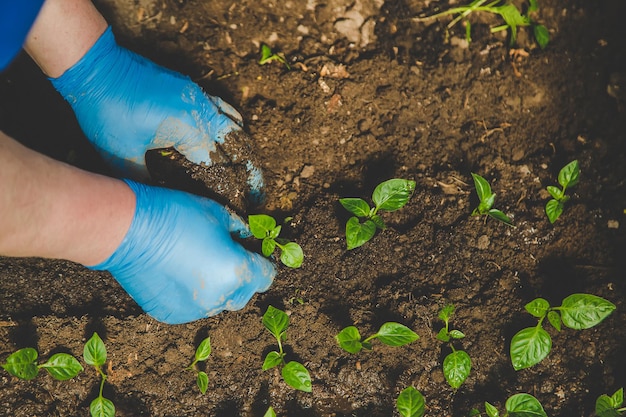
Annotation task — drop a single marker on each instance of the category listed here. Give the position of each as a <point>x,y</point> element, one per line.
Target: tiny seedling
<point>486,199</point>
<point>389,195</point>
<point>517,405</point>
<point>268,56</point>
<point>23,364</point>
<point>458,364</point>
<point>568,177</point>
<point>410,403</point>
<point>202,354</point>
<point>611,406</point>
<point>294,373</point>
<point>511,15</point>
<point>577,311</point>
<point>390,334</point>
<point>95,354</point>
<point>264,227</point>
<point>270,412</point>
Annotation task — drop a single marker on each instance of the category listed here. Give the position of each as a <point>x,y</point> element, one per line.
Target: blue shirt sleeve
<point>16,18</point>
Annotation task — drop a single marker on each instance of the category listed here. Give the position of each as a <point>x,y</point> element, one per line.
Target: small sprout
<point>486,199</point>
<point>264,227</point>
<point>270,412</point>
<point>511,15</point>
<point>293,373</point>
<point>268,56</point>
<point>390,334</point>
<point>23,364</point>
<point>95,354</point>
<point>516,405</point>
<point>458,364</point>
<point>389,195</point>
<point>568,177</point>
<point>203,352</point>
<point>410,403</point>
<point>577,311</point>
<point>611,406</point>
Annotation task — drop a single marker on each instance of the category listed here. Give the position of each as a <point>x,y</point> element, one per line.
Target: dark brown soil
<point>358,107</point>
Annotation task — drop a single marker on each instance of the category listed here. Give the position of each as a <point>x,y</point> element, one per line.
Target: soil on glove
<point>371,94</point>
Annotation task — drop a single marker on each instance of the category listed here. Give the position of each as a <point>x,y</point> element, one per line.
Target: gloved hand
<point>127,105</point>
<point>178,260</point>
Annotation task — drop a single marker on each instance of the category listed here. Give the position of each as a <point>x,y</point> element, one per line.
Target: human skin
<point>51,209</point>
<point>54,210</point>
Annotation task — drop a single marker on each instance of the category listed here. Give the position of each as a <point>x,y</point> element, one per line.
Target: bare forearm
<point>62,33</point>
<point>53,210</point>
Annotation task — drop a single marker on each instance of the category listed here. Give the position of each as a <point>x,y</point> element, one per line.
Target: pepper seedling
<point>458,364</point>
<point>611,406</point>
<point>389,195</point>
<point>517,405</point>
<point>410,403</point>
<point>511,15</point>
<point>293,373</point>
<point>264,227</point>
<point>390,334</point>
<point>268,56</point>
<point>203,351</point>
<point>95,354</point>
<point>577,311</point>
<point>568,177</point>
<point>23,364</point>
<point>486,199</point>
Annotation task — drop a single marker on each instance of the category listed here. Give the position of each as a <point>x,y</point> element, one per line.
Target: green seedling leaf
<point>610,406</point>
<point>554,209</point>
<point>276,321</point>
<point>456,368</point>
<point>443,335</point>
<point>204,350</point>
<point>456,334</point>
<point>272,360</point>
<point>583,311</point>
<point>62,366</point>
<point>512,17</point>
<point>491,410</point>
<point>270,412</point>
<point>446,312</point>
<point>395,334</point>
<point>357,233</point>
<point>538,307</point>
<point>291,255</point>
<point>542,35</point>
<point>483,189</point>
<point>529,347</point>
<point>268,56</point>
<point>102,407</point>
<point>393,194</point>
<point>555,320</point>
<point>555,192</point>
<point>22,364</point>
<point>202,380</point>
<point>297,376</point>
<point>524,405</point>
<point>261,225</point>
<point>410,403</point>
<point>498,215</point>
<point>356,206</point>
<point>378,221</point>
<point>350,339</point>
<point>568,176</point>
<point>95,352</point>
<point>268,246</point>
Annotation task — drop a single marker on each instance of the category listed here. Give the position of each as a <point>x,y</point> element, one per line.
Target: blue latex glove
<point>127,105</point>
<point>178,260</point>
